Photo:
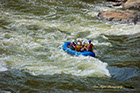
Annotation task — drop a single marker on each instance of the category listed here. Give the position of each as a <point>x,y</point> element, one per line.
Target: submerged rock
<point>132,4</point>
<point>120,16</point>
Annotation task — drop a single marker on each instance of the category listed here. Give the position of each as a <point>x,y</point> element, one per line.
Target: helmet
<point>83,42</point>
<point>78,43</point>
<point>89,41</point>
<point>73,40</point>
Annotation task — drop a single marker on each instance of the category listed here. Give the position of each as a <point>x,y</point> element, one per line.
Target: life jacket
<point>78,47</point>
<point>71,46</point>
<point>90,48</point>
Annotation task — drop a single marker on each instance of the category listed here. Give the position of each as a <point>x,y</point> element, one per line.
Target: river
<point>32,33</point>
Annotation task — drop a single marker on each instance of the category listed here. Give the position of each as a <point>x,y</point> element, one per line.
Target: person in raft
<point>72,45</point>
<point>89,47</point>
<point>78,47</point>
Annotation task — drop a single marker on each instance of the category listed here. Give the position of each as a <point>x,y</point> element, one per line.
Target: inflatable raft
<point>73,52</point>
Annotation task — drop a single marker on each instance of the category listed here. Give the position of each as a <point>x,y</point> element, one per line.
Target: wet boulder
<point>117,4</point>
<point>132,4</point>
<point>120,16</point>
<point>117,0</point>
<point>137,19</point>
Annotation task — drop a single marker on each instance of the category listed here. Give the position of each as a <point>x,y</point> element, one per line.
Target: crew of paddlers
<point>80,46</point>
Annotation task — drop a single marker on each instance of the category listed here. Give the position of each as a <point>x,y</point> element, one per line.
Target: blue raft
<point>73,52</point>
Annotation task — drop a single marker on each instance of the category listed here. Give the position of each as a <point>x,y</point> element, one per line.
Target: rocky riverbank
<point>129,13</point>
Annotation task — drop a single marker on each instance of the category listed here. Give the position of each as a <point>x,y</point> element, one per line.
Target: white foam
<point>65,63</point>
<point>3,66</point>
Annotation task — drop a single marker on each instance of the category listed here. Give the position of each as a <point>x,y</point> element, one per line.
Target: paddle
<point>98,51</point>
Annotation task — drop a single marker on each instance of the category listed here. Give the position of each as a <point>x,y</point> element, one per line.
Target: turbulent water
<point>32,33</point>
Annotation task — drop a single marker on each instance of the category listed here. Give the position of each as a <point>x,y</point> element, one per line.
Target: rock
<point>117,0</point>
<point>137,19</point>
<point>132,4</point>
<point>120,16</point>
<point>117,4</point>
